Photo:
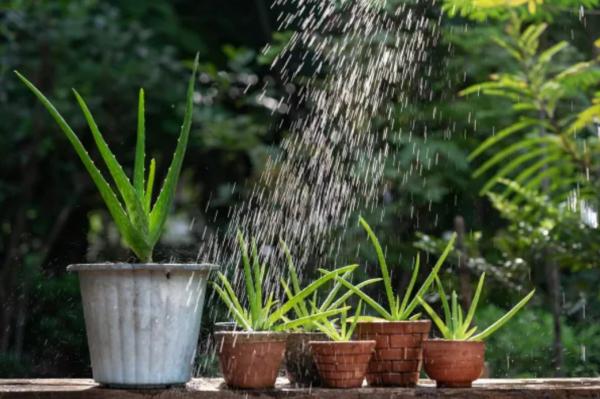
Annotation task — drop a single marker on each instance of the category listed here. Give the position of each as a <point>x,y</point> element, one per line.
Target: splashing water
<point>332,162</point>
<point>364,60</point>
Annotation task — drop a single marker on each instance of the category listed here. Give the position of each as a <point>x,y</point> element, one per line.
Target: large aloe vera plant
<point>139,220</point>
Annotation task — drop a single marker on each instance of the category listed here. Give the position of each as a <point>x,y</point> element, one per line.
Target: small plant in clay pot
<point>458,359</point>
<point>398,331</point>
<point>342,363</point>
<point>251,357</point>
<point>299,361</point>
<point>136,312</point>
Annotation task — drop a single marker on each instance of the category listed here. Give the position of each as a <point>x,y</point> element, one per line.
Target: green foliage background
<point>51,215</point>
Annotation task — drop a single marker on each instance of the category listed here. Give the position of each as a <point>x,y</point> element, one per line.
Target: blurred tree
<point>550,149</point>
<point>545,144</point>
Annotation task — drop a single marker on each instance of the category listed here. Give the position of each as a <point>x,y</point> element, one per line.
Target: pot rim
<point>122,266</point>
<point>250,333</point>
<point>452,341</point>
<point>306,333</point>
<point>386,322</point>
<point>354,342</point>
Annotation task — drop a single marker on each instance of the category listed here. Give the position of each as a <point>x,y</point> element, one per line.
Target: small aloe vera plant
<point>309,306</point>
<point>397,309</point>
<point>139,220</point>
<point>457,324</point>
<point>263,312</point>
<point>342,362</point>
<point>342,331</point>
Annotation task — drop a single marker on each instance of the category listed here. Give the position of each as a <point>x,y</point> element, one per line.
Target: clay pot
<point>342,364</point>
<point>398,352</point>
<point>250,360</point>
<point>454,364</point>
<point>299,363</point>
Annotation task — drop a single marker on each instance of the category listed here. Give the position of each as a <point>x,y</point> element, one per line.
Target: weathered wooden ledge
<point>205,388</point>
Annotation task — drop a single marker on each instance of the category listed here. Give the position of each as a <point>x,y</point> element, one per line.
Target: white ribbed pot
<point>142,321</point>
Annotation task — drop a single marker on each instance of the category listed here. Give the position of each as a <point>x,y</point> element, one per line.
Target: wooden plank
<point>206,388</point>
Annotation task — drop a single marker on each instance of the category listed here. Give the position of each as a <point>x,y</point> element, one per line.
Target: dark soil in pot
<point>299,363</point>
<point>226,326</point>
<point>342,364</point>
<point>398,352</point>
<point>250,360</point>
<point>454,364</point>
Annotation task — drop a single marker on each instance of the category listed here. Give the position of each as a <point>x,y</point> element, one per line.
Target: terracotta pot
<point>342,364</point>
<point>299,363</point>
<point>250,360</point>
<point>454,364</point>
<point>398,352</point>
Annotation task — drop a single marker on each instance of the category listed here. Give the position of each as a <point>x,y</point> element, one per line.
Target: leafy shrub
<point>524,349</point>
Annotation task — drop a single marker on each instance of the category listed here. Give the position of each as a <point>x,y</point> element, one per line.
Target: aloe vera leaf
<point>312,305</point>
<point>397,309</point>
<point>443,299</point>
<point>290,295</point>
<point>133,202</point>
<point>308,319</point>
<point>293,273</point>
<point>460,315</point>
<point>327,328</point>
<point>348,336</point>
<point>333,293</point>
<point>343,321</point>
<point>263,271</point>
<point>291,267</point>
<point>254,306</point>
<point>368,300</point>
<point>387,281</point>
<point>343,298</point>
<point>266,311</point>
<point>454,321</point>
<point>257,275</point>
<point>158,215</point>
<point>416,316</point>
<point>230,291</point>
<point>501,321</point>
<point>411,284</point>
<point>469,333</point>
<point>136,242</point>
<point>446,333</point>
<point>286,288</point>
<point>427,283</point>
<point>140,148</point>
<point>308,290</point>
<point>474,302</point>
<point>239,317</point>
<point>150,186</point>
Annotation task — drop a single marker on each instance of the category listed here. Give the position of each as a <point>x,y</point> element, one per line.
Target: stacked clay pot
<point>342,364</point>
<point>398,352</point>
